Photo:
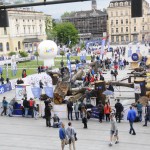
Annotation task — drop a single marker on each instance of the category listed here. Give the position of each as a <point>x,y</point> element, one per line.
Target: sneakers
<point>144,125</point>
<point>133,133</point>
<point>116,142</point>
<point>110,144</point>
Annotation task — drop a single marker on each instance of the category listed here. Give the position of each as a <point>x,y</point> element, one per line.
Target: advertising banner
<point>5,88</point>
<point>20,91</point>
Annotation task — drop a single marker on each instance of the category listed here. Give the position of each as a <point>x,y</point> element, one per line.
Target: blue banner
<point>36,92</point>
<point>95,112</point>
<point>49,91</point>
<point>5,88</point>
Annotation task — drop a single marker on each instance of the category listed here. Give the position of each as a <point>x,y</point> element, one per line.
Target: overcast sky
<point>57,10</point>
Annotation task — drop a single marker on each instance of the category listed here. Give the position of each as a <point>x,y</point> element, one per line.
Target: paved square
<point>19,133</point>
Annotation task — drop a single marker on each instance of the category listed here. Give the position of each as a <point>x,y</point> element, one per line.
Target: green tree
<point>12,53</point>
<point>67,14</point>
<point>23,54</point>
<point>66,33</point>
<point>36,54</point>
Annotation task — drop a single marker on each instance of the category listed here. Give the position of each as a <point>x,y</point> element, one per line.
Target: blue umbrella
<point>108,92</point>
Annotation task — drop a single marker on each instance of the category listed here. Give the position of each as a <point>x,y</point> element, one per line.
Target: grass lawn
<point>31,66</point>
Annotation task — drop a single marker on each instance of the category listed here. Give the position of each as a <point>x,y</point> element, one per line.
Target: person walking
<point>147,114</point>
<point>26,106</point>
<point>84,117</point>
<point>131,117</point>
<point>70,132</point>
<point>70,109</point>
<point>31,106</point>
<point>115,74</point>
<point>62,136</point>
<point>4,105</point>
<point>113,130</point>
<point>48,115</point>
<point>139,110</point>
<point>101,111</point>
<point>119,110</point>
<point>107,111</point>
<point>11,107</point>
<point>76,109</point>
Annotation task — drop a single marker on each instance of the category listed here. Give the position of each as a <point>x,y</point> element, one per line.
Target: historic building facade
<point>26,30</point>
<point>91,24</point>
<point>122,28</point>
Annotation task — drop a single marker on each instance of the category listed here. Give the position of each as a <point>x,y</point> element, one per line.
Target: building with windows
<point>122,28</point>
<point>91,24</point>
<point>26,30</point>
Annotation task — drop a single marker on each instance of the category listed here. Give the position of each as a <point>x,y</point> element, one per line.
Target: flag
<point>130,52</point>
<point>36,91</point>
<point>49,91</point>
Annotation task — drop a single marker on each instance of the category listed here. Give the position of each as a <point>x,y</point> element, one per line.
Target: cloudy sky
<point>57,10</point>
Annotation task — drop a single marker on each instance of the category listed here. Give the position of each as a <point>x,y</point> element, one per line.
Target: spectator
<point>56,121</point>
<point>70,109</point>
<point>84,117</point>
<point>76,109</point>
<point>119,109</point>
<point>107,111</point>
<point>101,111</point>
<point>26,106</point>
<point>62,136</point>
<point>131,117</point>
<point>115,74</point>
<point>24,74</point>
<point>147,114</point>
<point>31,106</point>
<point>139,110</point>
<point>70,132</point>
<point>39,69</point>
<point>4,105</point>
<point>113,130</point>
<point>11,107</point>
<point>48,115</point>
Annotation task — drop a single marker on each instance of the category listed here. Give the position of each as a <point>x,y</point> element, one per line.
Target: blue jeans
<point>131,127</point>
<point>26,111</point>
<point>140,115</point>
<point>14,72</point>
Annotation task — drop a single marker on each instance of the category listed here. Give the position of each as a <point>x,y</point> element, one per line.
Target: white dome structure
<point>47,51</point>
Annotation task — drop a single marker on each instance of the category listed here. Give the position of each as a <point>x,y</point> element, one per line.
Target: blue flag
<point>49,91</point>
<point>36,91</point>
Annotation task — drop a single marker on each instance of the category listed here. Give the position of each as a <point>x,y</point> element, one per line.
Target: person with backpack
<point>101,111</point>
<point>119,109</point>
<point>147,114</point>
<point>5,105</point>
<point>107,111</point>
<point>70,109</point>
<point>70,132</point>
<point>139,107</point>
<point>115,74</point>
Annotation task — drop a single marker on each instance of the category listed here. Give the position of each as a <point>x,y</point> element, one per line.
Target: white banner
<point>137,88</point>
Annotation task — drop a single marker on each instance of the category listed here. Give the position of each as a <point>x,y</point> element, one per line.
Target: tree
<point>36,54</point>
<point>62,53</point>
<point>67,34</point>
<point>23,54</point>
<point>12,53</point>
<point>67,14</point>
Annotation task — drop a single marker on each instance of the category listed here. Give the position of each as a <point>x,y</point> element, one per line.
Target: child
<point>113,130</point>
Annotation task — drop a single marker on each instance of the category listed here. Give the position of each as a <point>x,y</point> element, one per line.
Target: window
<point>116,13</point>
<point>127,38</point>
<point>117,38</point>
<point>40,29</point>
<point>126,13</point>
<point>134,20</point>
<point>143,28</point>
<point>121,29</point>
<point>1,47</point>
<point>5,31</point>
<point>23,20</point>
<point>116,4</point>
<point>116,21</point>
<point>29,29</point>
<point>126,29</point>
<point>117,30</point>
<point>16,20</point>
<point>112,38</point>
<point>111,22</point>
<point>122,38</point>
<point>32,20</point>
<point>143,19</point>
<point>112,14</point>
<point>17,29</point>
<point>121,4</point>
<point>112,30</point>
<point>7,46</point>
<point>28,20</point>
<point>134,29</point>
<point>19,45</point>
<point>24,28</point>
<point>121,21</point>
<point>33,29</point>
<point>121,13</point>
<point>126,21</point>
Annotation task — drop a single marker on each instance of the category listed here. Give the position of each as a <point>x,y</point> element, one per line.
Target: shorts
<point>113,133</point>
